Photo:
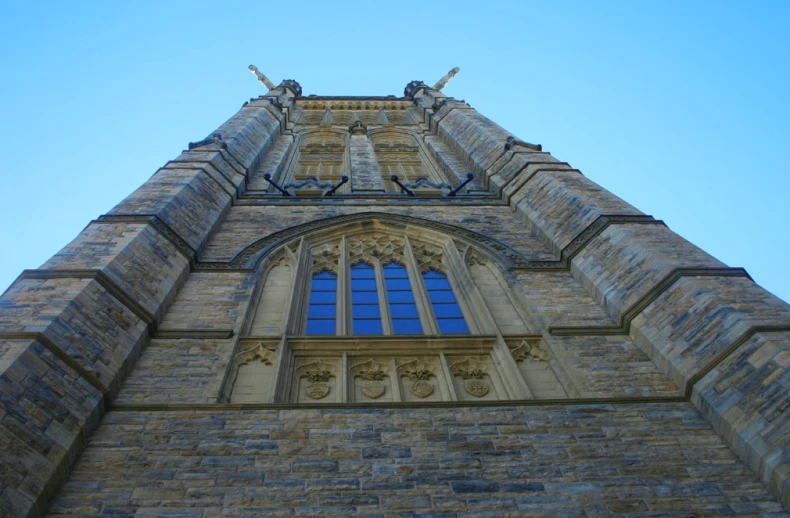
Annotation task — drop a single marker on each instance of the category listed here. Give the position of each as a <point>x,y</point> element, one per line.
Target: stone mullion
<point>343,306</point>
<point>386,318</point>
<point>471,297</point>
<point>449,384</point>
<point>395,381</point>
<point>296,320</point>
<point>424,308</point>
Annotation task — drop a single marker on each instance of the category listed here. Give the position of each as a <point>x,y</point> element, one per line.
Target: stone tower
<point>384,306</point>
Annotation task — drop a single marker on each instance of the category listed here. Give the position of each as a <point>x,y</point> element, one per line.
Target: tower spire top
<point>261,77</point>
<point>446,79</point>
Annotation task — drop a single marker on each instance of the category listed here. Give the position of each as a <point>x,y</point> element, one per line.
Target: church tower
<point>387,306</point>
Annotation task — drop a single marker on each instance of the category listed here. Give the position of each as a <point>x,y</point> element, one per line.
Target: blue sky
<point>680,108</point>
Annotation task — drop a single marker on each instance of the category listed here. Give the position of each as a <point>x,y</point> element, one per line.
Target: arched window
<point>322,308</point>
<point>365,311</point>
<point>384,294</point>
<point>445,306</point>
<point>372,312</point>
<point>401,302</point>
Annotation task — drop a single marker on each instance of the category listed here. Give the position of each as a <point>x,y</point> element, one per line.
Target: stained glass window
<point>365,312</point>
<point>322,310</point>
<point>402,306</point>
<point>445,307</point>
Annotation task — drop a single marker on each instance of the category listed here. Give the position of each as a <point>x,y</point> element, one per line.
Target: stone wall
<point>482,461</point>
<point>627,308</point>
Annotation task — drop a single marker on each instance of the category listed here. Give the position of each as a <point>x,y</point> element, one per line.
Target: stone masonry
<point>626,371</point>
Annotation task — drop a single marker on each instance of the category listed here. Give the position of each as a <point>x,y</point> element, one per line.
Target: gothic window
<point>322,309</point>
<point>365,312</point>
<point>445,307</point>
<point>321,157</point>
<point>381,291</point>
<point>371,313</point>
<point>402,306</point>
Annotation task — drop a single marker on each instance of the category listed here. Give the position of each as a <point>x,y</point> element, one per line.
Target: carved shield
<point>476,387</point>
<point>421,388</point>
<point>373,388</point>
<point>317,389</point>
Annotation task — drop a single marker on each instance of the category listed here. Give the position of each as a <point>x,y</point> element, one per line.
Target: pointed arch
<point>505,256</point>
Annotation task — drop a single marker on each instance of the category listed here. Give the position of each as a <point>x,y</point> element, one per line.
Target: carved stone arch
<point>272,294</point>
<point>401,151</point>
<point>320,153</point>
<point>252,255</point>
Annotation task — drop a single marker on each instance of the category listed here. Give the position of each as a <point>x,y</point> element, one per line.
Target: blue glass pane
<point>320,327</point>
<point>447,311</point>
<point>403,310</point>
<point>364,297</point>
<point>323,297</point>
<point>367,327</point>
<point>437,284</point>
<point>409,326</point>
<point>324,285</point>
<point>363,271</point>
<point>395,271</point>
<point>367,311</point>
<point>398,284</point>
<point>321,312</point>
<point>441,296</point>
<point>433,274</point>
<point>324,275</point>
<point>363,285</point>
<point>396,297</point>
<point>452,326</point>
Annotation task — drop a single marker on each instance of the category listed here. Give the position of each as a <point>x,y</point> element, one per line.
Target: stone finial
<point>261,77</point>
<point>292,85</point>
<point>412,88</point>
<point>446,79</point>
<point>357,128</point>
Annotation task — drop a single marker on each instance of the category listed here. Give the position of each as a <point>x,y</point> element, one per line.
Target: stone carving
<point>429,257</point>
<point>474,382</point>
<point>357,128</point>
<point>367,248</point>
<point>527,351</point>
<point>372,385</point>
<point>318,383</point>
<point>420,385</point>
<point>322,148</point>
<point>325,258</point>
<point>372,374</point>
<point>474,374</point>
<point>254,353</point>
<point>355,105</point>
<point>419,372</point>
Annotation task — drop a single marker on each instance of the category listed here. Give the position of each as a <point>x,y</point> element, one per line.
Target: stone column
<point>365,169</point>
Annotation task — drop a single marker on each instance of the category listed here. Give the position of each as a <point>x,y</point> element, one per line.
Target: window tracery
<point>378,315</point>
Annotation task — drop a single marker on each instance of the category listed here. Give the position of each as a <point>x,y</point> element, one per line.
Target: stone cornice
<point>65,358</point>
<point>104,281</point>
<point>158,224</point>
<point>217,407</point>
<point>624,325</point>
<point>208,334</point>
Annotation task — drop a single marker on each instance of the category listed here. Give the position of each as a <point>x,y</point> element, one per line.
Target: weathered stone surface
<point>746,397</point>
<point>617,458</point>
<point>82,319</point>
<point>48,410</point>
<point>143,263</point>
<point>186,370</point>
